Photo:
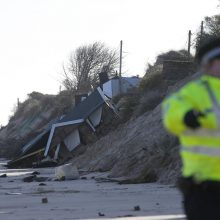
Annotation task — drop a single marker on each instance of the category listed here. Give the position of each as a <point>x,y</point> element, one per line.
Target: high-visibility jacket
<point>200,148</point>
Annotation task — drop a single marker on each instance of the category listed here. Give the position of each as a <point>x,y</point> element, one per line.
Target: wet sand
<point>84,199</point>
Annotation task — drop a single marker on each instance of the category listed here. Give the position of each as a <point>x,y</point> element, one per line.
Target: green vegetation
<point>152,79</point>
<point>211,28</point>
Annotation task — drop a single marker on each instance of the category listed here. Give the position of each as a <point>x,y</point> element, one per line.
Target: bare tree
<point>85,63</point>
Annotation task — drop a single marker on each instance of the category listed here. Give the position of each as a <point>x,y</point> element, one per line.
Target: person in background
<point>193,114</point>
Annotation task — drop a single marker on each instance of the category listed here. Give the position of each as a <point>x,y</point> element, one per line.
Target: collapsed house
<point>61,137</point>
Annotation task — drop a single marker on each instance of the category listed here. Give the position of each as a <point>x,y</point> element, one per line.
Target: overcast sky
<point>37,36</point>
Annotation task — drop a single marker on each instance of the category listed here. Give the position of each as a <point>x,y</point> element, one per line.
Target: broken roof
<point>86,107</point>
<point>57,130</point>
<point>40,140</point>
<point>76,117</point>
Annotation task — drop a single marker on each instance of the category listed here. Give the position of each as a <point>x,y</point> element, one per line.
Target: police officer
<point>193,114</point>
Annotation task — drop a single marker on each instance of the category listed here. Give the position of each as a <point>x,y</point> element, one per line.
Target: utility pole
<point>200,37</point>
<point>189,42</point>
<point>120,67</point>
<point>202,30</point>
<point>18,102</point>
<point>201,33</point>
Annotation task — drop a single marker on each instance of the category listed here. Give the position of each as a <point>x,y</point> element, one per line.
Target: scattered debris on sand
<point>44,200</point>
<point>76,197</point>
<point>137,208</point>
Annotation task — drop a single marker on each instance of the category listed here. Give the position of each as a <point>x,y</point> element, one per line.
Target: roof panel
<point>85,108</point>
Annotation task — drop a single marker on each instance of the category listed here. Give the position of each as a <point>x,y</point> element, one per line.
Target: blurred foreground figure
<point>193,114</point>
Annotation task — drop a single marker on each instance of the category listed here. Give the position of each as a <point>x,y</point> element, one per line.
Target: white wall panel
<point>72,140</point>
<point>96,116</point>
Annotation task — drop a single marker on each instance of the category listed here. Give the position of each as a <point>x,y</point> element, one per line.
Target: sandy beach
<point>85,198</point>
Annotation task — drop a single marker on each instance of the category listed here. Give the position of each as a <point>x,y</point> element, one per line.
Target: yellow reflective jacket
<point>200,150</point>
